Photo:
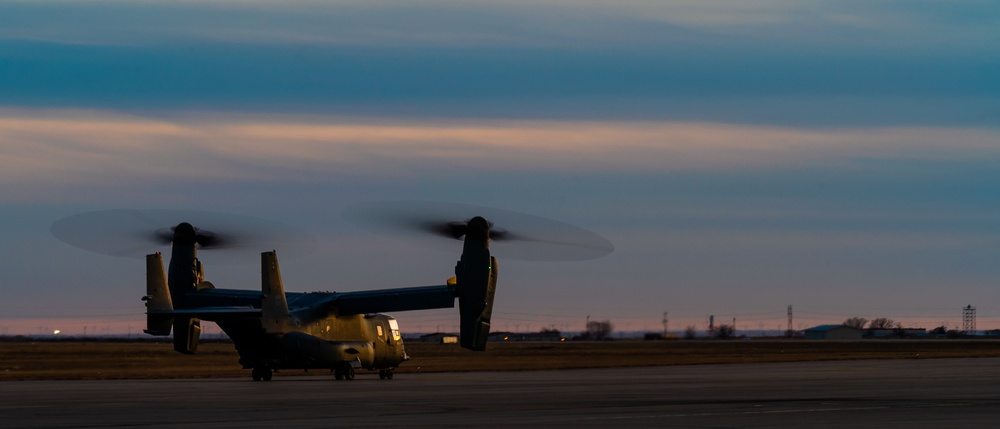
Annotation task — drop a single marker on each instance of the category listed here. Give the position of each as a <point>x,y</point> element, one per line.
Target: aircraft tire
<point>266,374</point>
<point>381,374</point>
<point>388,374</point>
<point>349,374</point>
<point>338,374</point>
<point>255,374</point>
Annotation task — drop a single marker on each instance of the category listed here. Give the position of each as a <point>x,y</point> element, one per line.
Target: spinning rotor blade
<point>514,235</point>
<point>135,232</point>
<point>456,230</point>
<point>205,239</point>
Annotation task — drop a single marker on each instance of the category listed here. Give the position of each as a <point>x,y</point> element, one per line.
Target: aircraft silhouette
<point>275,330</point>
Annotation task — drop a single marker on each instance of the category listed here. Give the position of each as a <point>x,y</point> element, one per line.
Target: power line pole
<point>789,330</point>
<point>665,321</point>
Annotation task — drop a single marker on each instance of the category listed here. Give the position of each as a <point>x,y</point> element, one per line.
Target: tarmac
<point>912,393</point>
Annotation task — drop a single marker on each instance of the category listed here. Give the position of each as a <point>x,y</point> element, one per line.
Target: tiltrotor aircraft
<point>276,330</point>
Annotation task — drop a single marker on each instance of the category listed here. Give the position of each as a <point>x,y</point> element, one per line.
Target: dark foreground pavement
<point>911,393</point>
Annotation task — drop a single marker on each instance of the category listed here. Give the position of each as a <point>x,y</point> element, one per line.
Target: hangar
<point>833,332</point>
<point>440,338</point>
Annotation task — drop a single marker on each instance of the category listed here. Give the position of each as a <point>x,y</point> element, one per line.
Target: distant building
<point>896,333</point>
<point>833,332</point>
<point>440,338</point>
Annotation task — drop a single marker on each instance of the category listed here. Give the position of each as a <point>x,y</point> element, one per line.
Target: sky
<point>842,157</point>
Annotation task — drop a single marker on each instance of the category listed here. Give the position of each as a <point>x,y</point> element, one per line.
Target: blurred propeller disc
<point>513,235</point>
<point>137,232</point>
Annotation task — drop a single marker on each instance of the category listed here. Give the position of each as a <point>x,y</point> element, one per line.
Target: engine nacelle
<point>476,277</point>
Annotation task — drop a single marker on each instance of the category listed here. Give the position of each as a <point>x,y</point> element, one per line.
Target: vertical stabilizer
<point>157,297</point>
<point>274,307</point>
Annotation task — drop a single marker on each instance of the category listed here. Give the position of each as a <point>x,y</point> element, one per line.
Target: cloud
<point>575,24</point>
<point>770,62</point>
<point>62,147</point>
<point>764,151</point>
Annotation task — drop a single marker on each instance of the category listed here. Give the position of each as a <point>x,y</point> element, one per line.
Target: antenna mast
<point>789,330</point>
<point>969,320</point>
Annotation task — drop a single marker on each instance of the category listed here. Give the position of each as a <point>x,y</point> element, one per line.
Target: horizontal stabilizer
<point>211,313</point>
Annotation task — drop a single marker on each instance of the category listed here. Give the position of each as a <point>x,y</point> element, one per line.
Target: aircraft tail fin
<point>157,297</point>
<point>274,306</point>
<point>476,282</point>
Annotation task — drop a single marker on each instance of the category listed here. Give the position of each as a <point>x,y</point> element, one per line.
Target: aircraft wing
<point>386,300</point>
<point>226,304</point>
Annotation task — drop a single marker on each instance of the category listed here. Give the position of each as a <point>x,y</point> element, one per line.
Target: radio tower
<point>969,320</point>
<point>789,330</point>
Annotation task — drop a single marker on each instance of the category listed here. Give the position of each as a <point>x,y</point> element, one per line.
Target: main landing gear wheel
<point>385,374</point>
<point>344,373</point>
<point>261,373</point>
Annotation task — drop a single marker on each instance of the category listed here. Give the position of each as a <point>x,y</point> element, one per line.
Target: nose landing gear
<point>344,373</point>
<point>261,373</point>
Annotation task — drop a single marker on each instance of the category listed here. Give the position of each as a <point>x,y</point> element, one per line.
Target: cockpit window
<point>394,326</point>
